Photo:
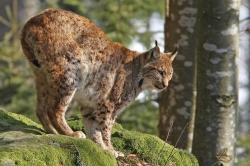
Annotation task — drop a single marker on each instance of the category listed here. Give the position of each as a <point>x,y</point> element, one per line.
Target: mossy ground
<point>23,142</point>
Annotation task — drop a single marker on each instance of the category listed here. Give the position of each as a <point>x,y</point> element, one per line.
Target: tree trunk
<point>246,47</point>
<point>176,104</point>
<point>217,91</point>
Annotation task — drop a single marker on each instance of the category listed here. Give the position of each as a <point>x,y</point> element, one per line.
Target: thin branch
<point>171,153</point>
<point>169,131</point>
<point>4,21</point>
<point>245,19</point>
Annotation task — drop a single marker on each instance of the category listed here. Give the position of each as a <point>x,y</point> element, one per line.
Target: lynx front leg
<point>106,135</point>
<point>105,124</point>
<point>91,127</point>
<point>98,124</point>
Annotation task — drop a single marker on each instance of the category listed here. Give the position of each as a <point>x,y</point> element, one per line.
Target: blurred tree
<point>16,12</point>
<point>178,101</point>
<point>247,51</point>
<point>4,26</point>
<point>217,97</point>
<point>16,85</point>
<point>245,57</point>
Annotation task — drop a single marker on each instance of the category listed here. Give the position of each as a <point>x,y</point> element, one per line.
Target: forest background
<point>136,24</point>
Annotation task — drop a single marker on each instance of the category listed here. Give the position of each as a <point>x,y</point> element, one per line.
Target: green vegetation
<point>24,142</point>
<point>150,148</point>
<point>244,144</point>
<point>140,116</point>
<point>16,82</point>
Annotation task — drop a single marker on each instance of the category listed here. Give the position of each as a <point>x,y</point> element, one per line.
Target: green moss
<point>55,150</point>
<point>36,155</point>
<point>150,148</point>
<point>23,142</point>
<point>75,122</point>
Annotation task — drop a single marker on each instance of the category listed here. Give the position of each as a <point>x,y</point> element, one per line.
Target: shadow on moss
<point>13,122</point>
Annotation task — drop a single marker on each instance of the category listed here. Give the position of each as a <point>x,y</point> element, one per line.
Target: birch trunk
<point>217,91</point>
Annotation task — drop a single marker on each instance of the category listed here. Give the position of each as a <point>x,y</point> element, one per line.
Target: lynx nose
<point>165,83</point>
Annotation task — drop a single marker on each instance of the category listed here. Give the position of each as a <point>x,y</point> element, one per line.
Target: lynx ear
<point>155,52</point>
<point>174,53</point>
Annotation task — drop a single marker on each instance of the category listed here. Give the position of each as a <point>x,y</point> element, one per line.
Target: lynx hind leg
<point>59,105</point>
<point>62,80</point>
<point>42,100</point>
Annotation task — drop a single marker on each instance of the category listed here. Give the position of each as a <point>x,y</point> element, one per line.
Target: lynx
<point>73,59</point>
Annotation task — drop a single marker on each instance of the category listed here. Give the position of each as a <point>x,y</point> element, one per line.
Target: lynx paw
<point>117,153</point>
<point>78,134</point>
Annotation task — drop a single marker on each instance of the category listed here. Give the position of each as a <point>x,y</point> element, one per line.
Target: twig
<point>182,132</point>
<point>78,161</point>
<point>245,19</point>
<point>4,21</point>
<point>170,129</point>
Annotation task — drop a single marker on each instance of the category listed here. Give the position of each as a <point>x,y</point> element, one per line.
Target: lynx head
<point>158,70</point>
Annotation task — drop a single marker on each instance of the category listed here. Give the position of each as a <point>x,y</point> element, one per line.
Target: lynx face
<point>158,72</point>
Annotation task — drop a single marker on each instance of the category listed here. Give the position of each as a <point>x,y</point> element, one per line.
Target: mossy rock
<point>23,142</point>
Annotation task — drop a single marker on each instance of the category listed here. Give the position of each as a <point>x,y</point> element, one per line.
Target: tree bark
<point>217,90</point>
<point>176,104</point>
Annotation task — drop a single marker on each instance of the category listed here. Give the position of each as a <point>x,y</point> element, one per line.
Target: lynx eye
<point>171,73</point>
<point>161,72</point>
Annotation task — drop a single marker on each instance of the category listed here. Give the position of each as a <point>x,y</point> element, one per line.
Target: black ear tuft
<point>155,51</point>
<point>156,43</point>
<point>174,53</point>
<point>141,82</point>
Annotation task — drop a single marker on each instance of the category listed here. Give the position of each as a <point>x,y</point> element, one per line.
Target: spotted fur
<point>73,59</point>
